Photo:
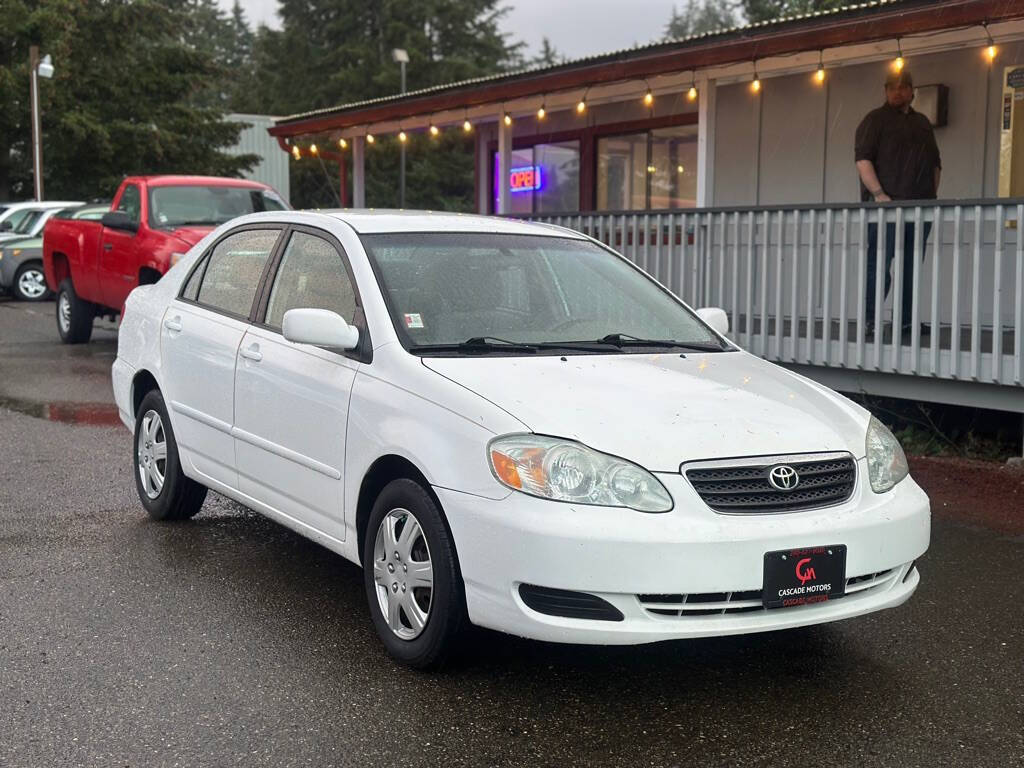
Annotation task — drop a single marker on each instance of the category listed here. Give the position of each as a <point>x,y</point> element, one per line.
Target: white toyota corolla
<point>511,425</point>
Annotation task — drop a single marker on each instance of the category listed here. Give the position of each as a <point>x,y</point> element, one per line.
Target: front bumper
<point>619,555</point>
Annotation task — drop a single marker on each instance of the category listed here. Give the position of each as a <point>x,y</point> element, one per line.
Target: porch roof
<point>699,56</point>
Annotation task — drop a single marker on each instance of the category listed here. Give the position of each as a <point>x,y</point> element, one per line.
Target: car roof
<point>45,204</point>
<point>209,181</point>
<point>371,221</point>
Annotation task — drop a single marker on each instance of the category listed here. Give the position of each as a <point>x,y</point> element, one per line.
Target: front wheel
<point>74,315</point>
<point>164,490</point>
<point>412,577</point>
<point>30,283</point>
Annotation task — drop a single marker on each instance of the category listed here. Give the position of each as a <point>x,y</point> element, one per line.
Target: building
<point>272,167</point>
<point>723,164</point>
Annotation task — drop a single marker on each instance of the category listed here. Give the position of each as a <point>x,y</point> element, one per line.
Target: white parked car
<point>511,425</point>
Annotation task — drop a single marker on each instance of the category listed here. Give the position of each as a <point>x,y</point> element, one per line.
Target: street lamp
<point>401,57</point>
<point>37,69</point>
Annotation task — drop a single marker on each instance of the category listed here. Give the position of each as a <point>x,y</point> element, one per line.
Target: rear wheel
<point>412,577</point>
<point>164,490</point>
<point>74,315</point>
<point>30,283</point>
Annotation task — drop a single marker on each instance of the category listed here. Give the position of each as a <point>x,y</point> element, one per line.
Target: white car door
<point>291,400</point>
<point>199,340</point>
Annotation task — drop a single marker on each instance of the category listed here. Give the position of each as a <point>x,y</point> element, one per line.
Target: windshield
<point>27,222</point>
<point>446,289</point>
<point>182,206</point>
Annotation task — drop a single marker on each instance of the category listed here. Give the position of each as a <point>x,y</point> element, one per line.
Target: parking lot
<point>229,640</point>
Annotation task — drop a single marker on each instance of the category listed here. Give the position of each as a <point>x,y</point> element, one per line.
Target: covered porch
<point>723,165</point>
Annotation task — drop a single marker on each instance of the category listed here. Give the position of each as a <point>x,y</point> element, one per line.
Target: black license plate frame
<point>804,576</point>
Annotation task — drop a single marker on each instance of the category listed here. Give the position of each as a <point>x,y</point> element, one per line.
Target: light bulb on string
<point>819,76</point>
<point>313,150</point>
<point>466,125</point>
<point>897,65</point>
<point>990,49</point>
<point>581,105</point>
<point>648,96</point>
<point>342,143</point>
<point>434,130</point>
<point>403,137</point>
<point>692,93</point>
<point>508,119</point>
<point>369,138</point>
<point>296,152</point>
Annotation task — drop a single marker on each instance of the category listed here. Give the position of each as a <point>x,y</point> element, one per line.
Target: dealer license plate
<point>804,576</point>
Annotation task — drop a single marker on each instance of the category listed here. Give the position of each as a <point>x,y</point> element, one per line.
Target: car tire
<point>429,645</point>
<point>165,491</point>
<point>74,315</point>
<point>30,283</point>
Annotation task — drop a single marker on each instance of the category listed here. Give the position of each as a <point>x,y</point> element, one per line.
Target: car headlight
<point>564,470</point>
<point>887,464</point>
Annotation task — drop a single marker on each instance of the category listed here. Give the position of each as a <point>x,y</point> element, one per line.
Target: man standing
<point>897,159</point>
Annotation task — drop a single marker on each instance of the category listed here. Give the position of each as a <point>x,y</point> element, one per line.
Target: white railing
<point>794,281</point>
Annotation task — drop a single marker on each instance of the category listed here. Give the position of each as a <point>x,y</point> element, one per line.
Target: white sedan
<point>510,425</point>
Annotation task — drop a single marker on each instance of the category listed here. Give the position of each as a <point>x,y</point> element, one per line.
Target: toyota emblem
<point>783,478</point>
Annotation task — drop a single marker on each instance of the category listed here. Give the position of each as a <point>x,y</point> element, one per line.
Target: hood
<point>190,235</point>
<point>664,409</point>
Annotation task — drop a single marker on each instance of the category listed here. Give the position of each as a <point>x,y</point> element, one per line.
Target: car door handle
<point>108,246</point>
<point>252,352</point>
<point>173,324</point>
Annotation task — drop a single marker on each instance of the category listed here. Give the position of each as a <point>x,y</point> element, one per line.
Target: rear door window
<point>231,272</point>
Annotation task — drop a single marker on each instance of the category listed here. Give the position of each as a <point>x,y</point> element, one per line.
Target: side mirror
<point>319,327</point>
<point>119,220</point>
<point>716,318</point>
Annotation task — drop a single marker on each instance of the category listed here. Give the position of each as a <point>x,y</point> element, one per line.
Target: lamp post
<point>37,69</point>
<point>401,56</point>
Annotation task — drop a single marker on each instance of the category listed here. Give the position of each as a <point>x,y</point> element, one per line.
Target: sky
<point>574,27</point>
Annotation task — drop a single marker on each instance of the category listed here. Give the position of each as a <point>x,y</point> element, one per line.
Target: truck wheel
<point>30,283</point>
<point>164,490</point>
<point>74,315</point>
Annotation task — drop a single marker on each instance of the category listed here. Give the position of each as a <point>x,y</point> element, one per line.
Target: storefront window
<point>651,170</point>
<point>544,178</point>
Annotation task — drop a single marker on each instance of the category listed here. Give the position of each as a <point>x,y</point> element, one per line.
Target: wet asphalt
<point>229,640</point>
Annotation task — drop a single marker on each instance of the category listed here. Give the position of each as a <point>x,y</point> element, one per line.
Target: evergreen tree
<point>548,56</point>
<point>698,17</point>
<point>331,52</point>
<point>122,100</point>
<point>767,10</point>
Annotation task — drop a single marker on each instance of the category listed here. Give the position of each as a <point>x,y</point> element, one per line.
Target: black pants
<point>909,264</point>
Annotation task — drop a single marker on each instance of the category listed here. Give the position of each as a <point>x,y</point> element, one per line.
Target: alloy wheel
<point>403,573</point>
<point>152,454</point>
<point>64,312</point>
<point>32,284</point>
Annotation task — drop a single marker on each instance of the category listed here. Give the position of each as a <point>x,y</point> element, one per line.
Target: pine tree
<point>331,52</point>
<point>122,101</point>
<point>698,18</point>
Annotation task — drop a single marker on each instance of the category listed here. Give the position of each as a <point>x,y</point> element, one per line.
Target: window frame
<point>203,261</point>
<point>363,352</point>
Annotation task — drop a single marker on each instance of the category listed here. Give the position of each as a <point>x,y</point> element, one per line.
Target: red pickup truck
<point>154,220</point>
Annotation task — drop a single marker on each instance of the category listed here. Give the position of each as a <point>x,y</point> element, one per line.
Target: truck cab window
<point>131,202</point>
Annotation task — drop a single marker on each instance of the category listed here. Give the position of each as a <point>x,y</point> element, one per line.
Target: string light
<point>434,130</point>
<point>755,84</point>
<point>342,143</point>
<point>296,152</point>
<point>581,105</point>
<point>897,65</point>
<point>369,138</point>
<point>508,119</point>
<point>466,125</point>
<point>692,93</point>
<point>651,169</point>
<point>648,96</point>
<point>542,112</point>
<point>991,50</point>
<point>313,150</point>
<point>402,137</point>
<point>820,74</point>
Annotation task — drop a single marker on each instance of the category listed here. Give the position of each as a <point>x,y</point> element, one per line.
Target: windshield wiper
<point>479,344</point>
<point>628,340</point>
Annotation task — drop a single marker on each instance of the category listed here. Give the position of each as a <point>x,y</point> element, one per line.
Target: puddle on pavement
<point>91,414</point>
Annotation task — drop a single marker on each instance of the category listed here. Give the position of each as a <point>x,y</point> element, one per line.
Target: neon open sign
<point>525,179</point>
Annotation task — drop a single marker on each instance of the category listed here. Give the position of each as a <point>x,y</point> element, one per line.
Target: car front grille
<point>720,603</point>
<point>742,486</point>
